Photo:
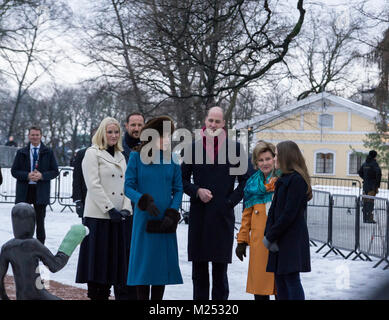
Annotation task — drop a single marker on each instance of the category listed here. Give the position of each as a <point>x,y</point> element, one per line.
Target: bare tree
<point>326,53</point>
<point>191,53</point>
<point>28,50</point>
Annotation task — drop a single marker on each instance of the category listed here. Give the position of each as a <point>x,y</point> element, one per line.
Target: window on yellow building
<point>355,161</point>
<point>324,163</point>
<point>326,120</point>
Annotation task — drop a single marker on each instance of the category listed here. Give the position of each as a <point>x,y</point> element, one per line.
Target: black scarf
<point>130,141</point>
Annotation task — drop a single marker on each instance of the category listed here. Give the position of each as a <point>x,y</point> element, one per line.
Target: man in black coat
<point>371,174</point>
<point>213,197</point>
<point>34,167</point>
<point>78,183</point>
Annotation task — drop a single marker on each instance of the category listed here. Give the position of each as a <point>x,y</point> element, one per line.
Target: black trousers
<point>200,278</point>
<point>368,205</point>
<point>40,213</point>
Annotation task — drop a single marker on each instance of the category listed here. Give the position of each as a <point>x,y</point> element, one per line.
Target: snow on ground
<point>331,278</point>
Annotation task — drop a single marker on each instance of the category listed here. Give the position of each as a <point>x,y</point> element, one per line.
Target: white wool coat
<point>104,179</point>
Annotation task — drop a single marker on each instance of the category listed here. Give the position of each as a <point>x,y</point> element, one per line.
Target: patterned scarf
<point>257,190</point>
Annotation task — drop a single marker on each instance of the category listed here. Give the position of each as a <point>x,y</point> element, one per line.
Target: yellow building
<point>325,127</point>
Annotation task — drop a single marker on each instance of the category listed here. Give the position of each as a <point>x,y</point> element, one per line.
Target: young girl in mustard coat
<point>258,196</point>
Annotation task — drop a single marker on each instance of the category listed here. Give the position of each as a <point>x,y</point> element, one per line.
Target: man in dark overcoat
<point>34,167</point>
<point>79,189</point>
<point>78,183</point>
<point>213,197</point>
<point>371,174</point>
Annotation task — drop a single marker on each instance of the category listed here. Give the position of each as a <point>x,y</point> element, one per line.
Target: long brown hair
<point>290,159</point>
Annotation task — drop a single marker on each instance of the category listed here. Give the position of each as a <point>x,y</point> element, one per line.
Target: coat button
<point>113,175</point>
<point>106,207</point>
<point>256,211</point>
<point>121,194</point>
<point>113,193</point>
<point>121,176</point>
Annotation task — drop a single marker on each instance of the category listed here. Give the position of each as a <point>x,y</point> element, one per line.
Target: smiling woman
<point>104,254</point>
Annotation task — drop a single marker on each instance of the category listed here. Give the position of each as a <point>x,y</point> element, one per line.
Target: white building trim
<point>311,103</point>
<point>317,132</point>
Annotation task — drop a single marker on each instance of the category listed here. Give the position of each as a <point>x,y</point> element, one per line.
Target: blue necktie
<point>34,158</point>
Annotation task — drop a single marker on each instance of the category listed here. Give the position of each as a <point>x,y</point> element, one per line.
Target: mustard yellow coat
<point>252,232</point>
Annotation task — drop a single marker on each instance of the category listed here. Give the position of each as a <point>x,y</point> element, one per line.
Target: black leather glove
<point>167,225</point>
<point>146,203</point>
<point>80,208</point>
<point>125,213</point>
<point>240,250</point>
<point>115,215</point>
<point>271,246</point>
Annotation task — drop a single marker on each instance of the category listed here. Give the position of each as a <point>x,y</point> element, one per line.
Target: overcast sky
<point>68,72</point>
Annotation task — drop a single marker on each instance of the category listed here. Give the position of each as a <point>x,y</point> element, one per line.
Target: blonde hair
<point>261,147</point>
<point>290,158</point>
<point>100,137</point>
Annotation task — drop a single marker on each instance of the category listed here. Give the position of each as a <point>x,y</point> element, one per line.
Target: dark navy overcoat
<point>47,165</point>
<point>211,225</point>
<point>287,226</point>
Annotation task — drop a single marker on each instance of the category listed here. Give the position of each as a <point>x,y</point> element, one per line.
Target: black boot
<point>98,291</point>
<point>370,219</point>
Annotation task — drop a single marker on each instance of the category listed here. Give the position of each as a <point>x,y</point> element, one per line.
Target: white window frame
<point>325,127</point>
<point>349,153</point>
<point>334,164</point>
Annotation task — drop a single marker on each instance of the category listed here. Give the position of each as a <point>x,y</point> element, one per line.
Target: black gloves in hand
<point>271,246</point>
<point>240,250</point>
<point>125,213</point>
<point>80,208</point>
<point>146,203</point>
<point>167,225</point>
<point>116,215</point>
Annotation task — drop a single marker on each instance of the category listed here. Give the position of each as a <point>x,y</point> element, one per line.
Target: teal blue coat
<point>153,256</point>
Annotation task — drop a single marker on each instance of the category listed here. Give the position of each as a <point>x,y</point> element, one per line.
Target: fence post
<point>330,222</point>
<point>387,235</point>
<point>357,229</point>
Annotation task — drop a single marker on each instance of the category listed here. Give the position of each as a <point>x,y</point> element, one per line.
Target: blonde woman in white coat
<point>103,256</point>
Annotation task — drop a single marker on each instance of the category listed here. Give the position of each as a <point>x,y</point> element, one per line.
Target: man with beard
<point>134,124</point>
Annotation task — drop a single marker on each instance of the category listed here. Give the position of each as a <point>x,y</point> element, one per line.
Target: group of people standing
<point>132,210</point>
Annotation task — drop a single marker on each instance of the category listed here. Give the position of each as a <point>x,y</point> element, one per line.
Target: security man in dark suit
<point>34,167</point>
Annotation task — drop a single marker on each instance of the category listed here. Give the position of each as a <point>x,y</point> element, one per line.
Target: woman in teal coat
<point>156,189</point>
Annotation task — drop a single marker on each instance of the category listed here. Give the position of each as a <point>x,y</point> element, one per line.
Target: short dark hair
<point>34,128</point>
<point>372,154</point>
<point>134,114</point>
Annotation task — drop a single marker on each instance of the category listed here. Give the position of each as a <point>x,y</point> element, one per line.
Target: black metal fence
<point>337,185</point>
<point>7,156</point>
<point>341,226</point>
